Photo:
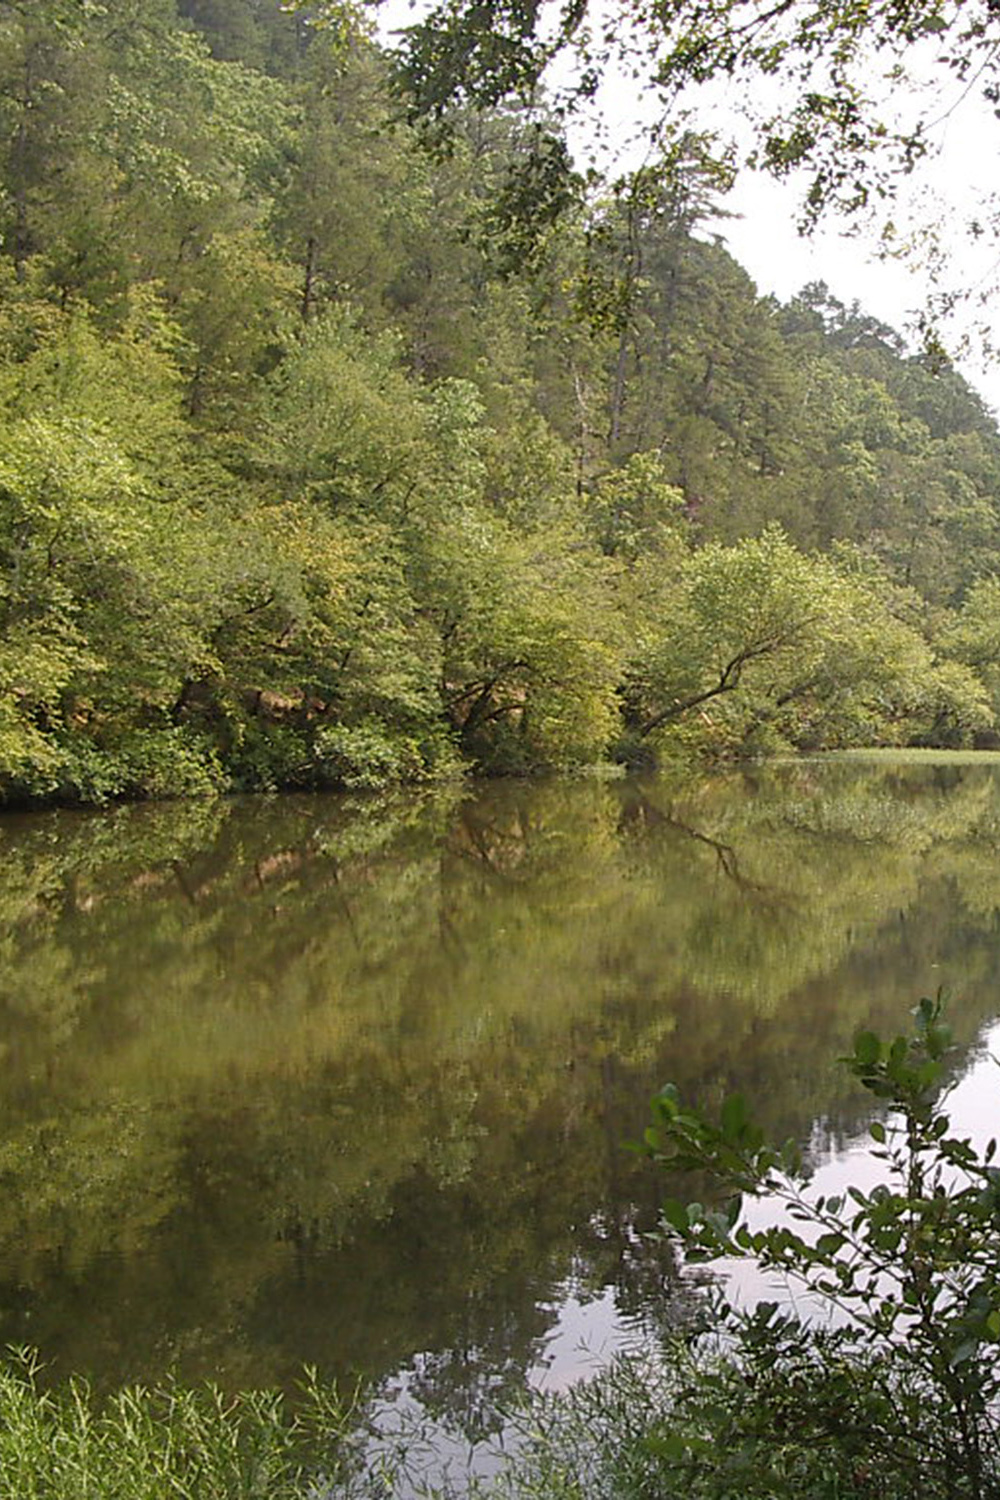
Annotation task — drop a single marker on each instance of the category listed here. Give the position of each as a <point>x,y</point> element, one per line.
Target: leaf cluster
<point>911,1264</point>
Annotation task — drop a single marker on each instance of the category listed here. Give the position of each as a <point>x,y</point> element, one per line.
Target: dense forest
<point>339,450</point>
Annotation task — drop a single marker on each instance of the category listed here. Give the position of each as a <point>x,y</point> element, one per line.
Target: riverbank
<point>773,1419</point>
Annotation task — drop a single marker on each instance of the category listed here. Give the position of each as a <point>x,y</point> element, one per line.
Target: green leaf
<point>676,1445</point>
<point>675,1214</point>
<point>734,1116</point>
<point>938,1039</point>
<point>867,1048</point>
<point>829,1244</point>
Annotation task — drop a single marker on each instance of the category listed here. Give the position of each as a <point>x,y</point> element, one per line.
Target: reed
<point>165,1441</point>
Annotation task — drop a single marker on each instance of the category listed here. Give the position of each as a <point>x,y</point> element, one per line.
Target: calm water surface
<point>347,1082</point>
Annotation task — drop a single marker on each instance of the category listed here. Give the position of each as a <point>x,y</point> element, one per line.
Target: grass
<point>914,757</point>
<point>675,1424</point>
<point>166,1441</point>
<point>590,1442</point>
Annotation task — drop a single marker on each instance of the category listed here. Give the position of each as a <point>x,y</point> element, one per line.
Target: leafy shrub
<point>903,1399</point>
<point>269,757</point>
<point>370,755</point>
<point>169,762</point>
<point>769,1418</point>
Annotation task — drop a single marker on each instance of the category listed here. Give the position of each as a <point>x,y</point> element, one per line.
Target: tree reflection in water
<point>348,1082</point>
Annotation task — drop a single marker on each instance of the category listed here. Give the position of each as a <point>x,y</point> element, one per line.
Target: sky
<point>946,191</point>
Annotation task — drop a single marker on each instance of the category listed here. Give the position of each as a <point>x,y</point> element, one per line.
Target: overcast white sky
<point>953,181</point>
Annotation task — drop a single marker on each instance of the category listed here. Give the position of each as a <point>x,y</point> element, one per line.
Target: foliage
<point>327,460</point>
<point>904,1397</point>
<point>142,1443</point>
<point>831,118</point>
<point>753,646</point>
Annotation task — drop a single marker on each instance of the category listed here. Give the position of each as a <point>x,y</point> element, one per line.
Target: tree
<point>485,52</point>
<point>339,213</point>
<point>737,610</point>
<point>849,97</point>
<point>972,635</point>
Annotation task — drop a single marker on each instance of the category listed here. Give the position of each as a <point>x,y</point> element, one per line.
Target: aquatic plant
<point>150,1443</point>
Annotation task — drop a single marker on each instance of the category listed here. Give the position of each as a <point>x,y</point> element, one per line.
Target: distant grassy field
<point>914,757</point>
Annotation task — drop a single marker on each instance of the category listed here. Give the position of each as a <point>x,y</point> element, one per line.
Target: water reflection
<point>347,1083</point>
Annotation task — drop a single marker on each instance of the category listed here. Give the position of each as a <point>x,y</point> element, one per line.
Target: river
<point>348,1081</point>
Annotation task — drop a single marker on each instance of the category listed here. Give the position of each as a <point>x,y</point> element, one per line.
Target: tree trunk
<point>309,280</point>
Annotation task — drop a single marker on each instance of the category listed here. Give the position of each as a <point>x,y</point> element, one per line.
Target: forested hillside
<point>335,452</point>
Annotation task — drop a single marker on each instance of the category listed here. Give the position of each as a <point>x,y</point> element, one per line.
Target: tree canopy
<point>328,459</point>
<point>852,92</point>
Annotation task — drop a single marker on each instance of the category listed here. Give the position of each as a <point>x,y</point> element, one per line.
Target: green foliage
<point>905,1396</point>
<point>780,1414</point>
<point>778,1418</point>
<point>537,191</point>
<point>327,460</point>
<point>970,637</point>
<point>366,756</point>
<point>634,510</point>
<point>141,1444</point>
<point>830,122</point>
<point>343,423</point>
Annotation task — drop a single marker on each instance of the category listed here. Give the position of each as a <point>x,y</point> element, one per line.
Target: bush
<point>366,755</point>
<point>371,755</point>
<point>903,1399</point>
<point>270,758</point>
<point>765,1419</point>
<point>167,762</point>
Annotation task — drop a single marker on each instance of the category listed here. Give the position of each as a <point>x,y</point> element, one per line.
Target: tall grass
<point>592,1441</point>
<point>170,1442</point>
<point>157,1443</point>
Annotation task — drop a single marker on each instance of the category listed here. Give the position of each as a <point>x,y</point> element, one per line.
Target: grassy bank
<point>767,1418</point>
<point>152,1443</point>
